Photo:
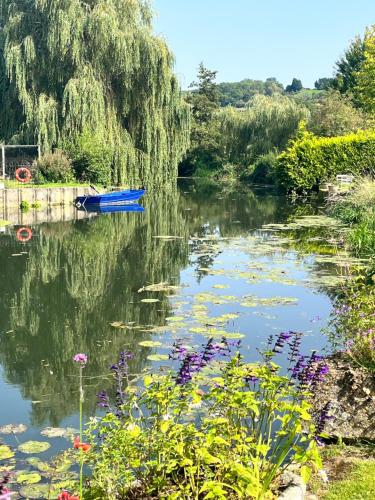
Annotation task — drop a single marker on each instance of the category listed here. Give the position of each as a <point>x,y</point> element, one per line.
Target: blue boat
<point>107,209</point>
<point>115,198</point>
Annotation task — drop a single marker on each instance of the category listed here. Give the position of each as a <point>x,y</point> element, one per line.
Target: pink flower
<point>80,358</point>
<point>6,494</point>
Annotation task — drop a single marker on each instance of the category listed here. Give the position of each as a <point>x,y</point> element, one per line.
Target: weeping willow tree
<point>265,125</point>
<point>69,67</point>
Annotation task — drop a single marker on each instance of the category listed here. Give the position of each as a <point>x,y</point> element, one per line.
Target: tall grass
<point>357,208</point>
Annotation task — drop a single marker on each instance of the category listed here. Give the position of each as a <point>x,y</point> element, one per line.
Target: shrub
<point>310,160</point>
<point>264,169</point>
<point>54,167</point>
<point>205,433</point>
<point>334,115</point>
<point>92,159</point>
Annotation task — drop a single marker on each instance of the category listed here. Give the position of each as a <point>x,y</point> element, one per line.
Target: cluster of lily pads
<point>28,474</point>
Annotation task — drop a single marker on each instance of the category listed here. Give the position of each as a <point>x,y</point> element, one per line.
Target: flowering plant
<point>214,428</point>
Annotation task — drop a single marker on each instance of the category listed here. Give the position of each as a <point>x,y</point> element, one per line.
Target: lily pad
<point>55,432</point>
<point>28,478</point>
<point>157,357</point>
<point>32,491</point>
<point>150,343</point>
<point>34,446</point>
<point>5,452</point>
<point>150,300</point>
<point>175,318</point>
<point>159,287</point>
<point>13,429</point>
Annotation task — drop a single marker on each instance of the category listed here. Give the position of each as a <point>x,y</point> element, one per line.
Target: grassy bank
<point>13,184</point>
<point>349,473</point>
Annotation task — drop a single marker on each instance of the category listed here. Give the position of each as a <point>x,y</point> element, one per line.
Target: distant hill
<point>237,94</point>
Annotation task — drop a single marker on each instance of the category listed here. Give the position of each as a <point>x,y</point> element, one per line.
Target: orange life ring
<point>26,174</point>
<point>22,237</point>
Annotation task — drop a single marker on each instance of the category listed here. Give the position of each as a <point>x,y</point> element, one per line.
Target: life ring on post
<point>23,174</point>
<point>24,234</point>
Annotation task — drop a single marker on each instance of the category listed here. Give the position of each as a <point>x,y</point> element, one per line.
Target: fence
<point>17,155</point>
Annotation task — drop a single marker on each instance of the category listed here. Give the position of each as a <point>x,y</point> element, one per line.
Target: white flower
<point>323,475</point>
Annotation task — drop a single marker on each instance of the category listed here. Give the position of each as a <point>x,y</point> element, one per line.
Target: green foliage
<point>238,94</point>
<point>348,66</point>
<point>204,98</point>
<point>231,439</point>
<point>324,83</point>
<point>92,158</point>
<point>334,114</point>
<point>295,86</point>
<point>357,208</point>
<point>263,170</point>
<point>365,76</point>
<point>311,160</point>
<point>67,67</point>
<point>24,206</point>
<point>267,124</point>
<point>54,167</point>
<point>204,154</point>
<point>352,324</point>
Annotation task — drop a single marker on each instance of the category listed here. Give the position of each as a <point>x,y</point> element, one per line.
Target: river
<point>77,287</point>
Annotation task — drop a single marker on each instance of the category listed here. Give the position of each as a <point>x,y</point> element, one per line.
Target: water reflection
<point>78,277</point>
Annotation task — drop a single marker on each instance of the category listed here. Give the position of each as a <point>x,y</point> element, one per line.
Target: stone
<point>295,488</point>
<point>350,392</point>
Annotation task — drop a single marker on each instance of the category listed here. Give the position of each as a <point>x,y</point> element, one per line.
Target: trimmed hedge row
<point>311,160</point>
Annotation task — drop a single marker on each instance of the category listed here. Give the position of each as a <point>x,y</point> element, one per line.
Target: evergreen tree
<point>295,86</point>
<point>69,67</point>
<point>204,152</point>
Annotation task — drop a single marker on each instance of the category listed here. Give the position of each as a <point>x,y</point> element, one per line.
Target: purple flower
<point>103,399</point>
<point>281,339</point>
<point>313,372</point>
<point>179,351</point>
<point>193,362</point>
<point>80,358</point>
<point>321,421</point>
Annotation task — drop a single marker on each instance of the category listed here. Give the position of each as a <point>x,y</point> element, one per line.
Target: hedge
<point>311,160</point>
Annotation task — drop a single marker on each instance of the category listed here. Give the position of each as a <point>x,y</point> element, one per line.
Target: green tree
<point>348,66</point>
<point>334,114</point>
<point>324,83</point>
<point>295,86</point>
<point>365,76</point>
<point>204,98</point>
<point>68,66</point>
<point>204,152</point>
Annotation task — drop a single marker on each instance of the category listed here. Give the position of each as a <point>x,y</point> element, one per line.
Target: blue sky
<point>260,38</point>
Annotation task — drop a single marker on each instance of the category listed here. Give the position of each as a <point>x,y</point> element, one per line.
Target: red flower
<point>77,444</point>
<point>64,495</point>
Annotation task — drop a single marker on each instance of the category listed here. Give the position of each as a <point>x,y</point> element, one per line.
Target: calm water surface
<point>75,279</point>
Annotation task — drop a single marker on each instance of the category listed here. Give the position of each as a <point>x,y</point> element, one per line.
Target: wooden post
<point>39,154</point>
<point>3,160</point>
